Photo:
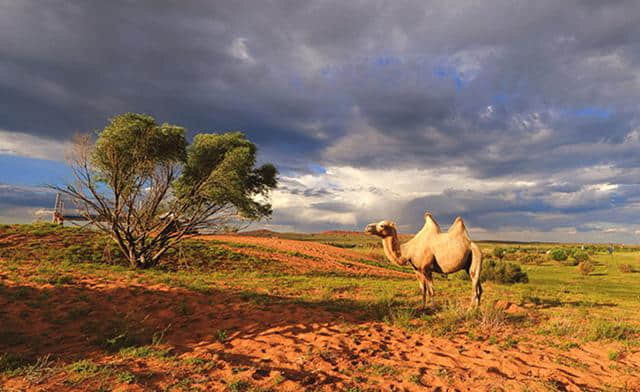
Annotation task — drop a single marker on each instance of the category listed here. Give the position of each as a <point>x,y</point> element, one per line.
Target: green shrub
<point>580,256</point>
<point>238,386</point>
<point>499,252</point>
<point>586,267</point>
<point>558,254</point>
<point>503,272</point>
<point>532,259</point>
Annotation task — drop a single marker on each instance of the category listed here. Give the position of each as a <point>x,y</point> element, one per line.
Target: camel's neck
<point>391,246</point>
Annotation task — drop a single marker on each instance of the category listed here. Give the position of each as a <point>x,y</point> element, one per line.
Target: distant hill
<point>342,232</point>
<point>259,233</point>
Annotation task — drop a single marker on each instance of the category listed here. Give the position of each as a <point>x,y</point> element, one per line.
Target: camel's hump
<point>458,225</point>
<point>429,221</point>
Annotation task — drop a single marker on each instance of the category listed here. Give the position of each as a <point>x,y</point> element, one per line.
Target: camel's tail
<point>475,269</point>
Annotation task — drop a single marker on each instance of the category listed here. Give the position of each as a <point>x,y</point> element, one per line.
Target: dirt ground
<point>283,347</point>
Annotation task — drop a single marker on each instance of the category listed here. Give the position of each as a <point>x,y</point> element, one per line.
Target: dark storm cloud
<point>540,208</point>
<point>333,206</point>
<point>18,196</point>
<point>509,90</point>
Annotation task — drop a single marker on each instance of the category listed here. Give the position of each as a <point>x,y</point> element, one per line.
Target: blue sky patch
<point>19,170</point>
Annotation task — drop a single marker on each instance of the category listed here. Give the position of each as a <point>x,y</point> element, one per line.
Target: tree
<point>143,185</point>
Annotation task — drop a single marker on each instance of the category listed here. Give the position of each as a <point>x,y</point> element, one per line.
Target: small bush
<point>625,268</point>
<point>238,386</point>
<point>586,267</point>
<point>503,272</point>
<point>615,355</point>
<point>221,335</point>
<point>558,254</point>
<point>532,259</point>
<point>84,366</point>
<point>580,256</point>
<point>126,377</point>
<point>11,361</point>
<point>499,252</point>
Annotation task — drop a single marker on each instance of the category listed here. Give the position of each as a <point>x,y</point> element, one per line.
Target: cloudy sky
<point>523,117</point>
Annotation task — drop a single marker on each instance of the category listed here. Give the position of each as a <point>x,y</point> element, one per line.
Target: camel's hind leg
<point>474,269</point>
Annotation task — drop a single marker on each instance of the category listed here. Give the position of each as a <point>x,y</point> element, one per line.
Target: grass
<point>83,369</point>
<point>612,330</point>
<point>615,355</point>
<point>565,307</point>
<point>145,352</point>
<point>238,386</point>
<point>221,335</point>
<point>378,369</point>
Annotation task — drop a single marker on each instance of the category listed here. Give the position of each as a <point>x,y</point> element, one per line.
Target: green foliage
<point>144,352</point>
<point>132,145</point>
<point>503,272</point>
<point>84,366</point>
<point>221,335</point>
<point>238,386</point>
<point>531,258</point>
<point>586,267</point>
<point>558,254</point>
<point>145,187</point>
<point>220,169</point>
<point>615,355</point>
<point>126,377</point>
<point>580,256</point>
<point>499,252</point>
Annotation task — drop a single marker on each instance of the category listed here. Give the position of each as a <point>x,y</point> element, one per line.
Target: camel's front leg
<point>423,287</point>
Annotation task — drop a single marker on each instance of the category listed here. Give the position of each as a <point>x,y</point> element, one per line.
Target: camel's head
<point>382,229</point>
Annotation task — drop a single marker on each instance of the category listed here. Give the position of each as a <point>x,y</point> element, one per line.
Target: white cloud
<point>589,194</point>
<point>240,50</point>
<point>16,143</point>
<point>488,112</point>
<point>347,196</point>
<point>633,137</point>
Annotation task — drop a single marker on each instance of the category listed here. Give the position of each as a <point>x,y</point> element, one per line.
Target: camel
<point>432,250</point>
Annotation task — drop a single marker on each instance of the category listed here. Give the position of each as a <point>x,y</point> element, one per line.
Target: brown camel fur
<point>432,250</point>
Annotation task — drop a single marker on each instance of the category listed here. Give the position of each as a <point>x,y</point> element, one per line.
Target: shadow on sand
<point>71,322</point>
